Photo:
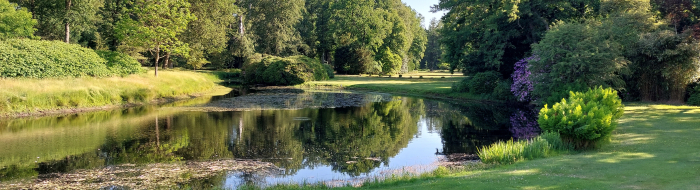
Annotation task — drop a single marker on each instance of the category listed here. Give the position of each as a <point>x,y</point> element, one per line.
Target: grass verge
<point>21,97</point>
<point>431,85</point>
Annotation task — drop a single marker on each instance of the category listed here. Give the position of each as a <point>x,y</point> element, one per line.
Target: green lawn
<point>431,85</point>
<point>654,147</point>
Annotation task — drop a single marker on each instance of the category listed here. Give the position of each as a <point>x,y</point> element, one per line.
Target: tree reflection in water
<point>350,140</point>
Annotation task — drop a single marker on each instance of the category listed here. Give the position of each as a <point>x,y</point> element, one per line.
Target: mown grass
<point>19,96</point>
<point>431,85</point>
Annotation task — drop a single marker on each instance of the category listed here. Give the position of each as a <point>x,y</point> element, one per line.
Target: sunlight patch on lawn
<point>523,172</point>
<point>623,156</point>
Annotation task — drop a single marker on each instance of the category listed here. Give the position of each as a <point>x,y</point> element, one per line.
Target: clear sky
<point>423,7</point>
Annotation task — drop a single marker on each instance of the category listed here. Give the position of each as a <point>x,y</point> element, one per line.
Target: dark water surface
<point>309,145</point>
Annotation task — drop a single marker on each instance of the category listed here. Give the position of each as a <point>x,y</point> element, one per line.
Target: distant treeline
<point>354,36</point>
<point>645,49</point>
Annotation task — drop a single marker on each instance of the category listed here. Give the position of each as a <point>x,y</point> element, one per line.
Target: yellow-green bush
<point>285,71</point>
<point>23,58</point>
<point>584,118</point>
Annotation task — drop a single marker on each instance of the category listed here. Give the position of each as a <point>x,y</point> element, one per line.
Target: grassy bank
<point>654,147</point>
<point>35,96</point>
<point>433,84</point>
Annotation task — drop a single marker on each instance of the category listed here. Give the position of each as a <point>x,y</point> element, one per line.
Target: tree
<point>15,22</point>
<point>210,32</point>
<point>61,19</point>
<point>155,26</point>
<point>111,13</point>
<point>433,49</point>
<point>593,52</point>
<point>492,35</point>
<point>273,23</point>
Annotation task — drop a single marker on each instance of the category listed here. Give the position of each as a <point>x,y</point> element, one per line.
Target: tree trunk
<point>157,59</point>
<point>166,63</point>
<point>241,29</point>
<point>68,5</point>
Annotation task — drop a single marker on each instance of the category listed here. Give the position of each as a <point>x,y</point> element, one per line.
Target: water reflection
<point>307,143</point>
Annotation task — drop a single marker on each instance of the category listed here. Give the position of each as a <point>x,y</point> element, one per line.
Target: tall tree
<point>15,23</point>
<point>273,22</point>
<point>493,35</point>
<point>210,32</point>
<point>155,26</point>
<point>433,51</point>
<point>111,13</point>
<point>61,19</point>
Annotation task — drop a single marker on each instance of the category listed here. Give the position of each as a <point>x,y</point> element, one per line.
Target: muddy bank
<point>291,99</point>
<point>152,176</point>
<point>458,160</point>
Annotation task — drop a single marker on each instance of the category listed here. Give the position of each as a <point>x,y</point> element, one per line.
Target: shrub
<point>121,64</point>
<point>694,99</point>
<point>522,85</point>
<point>584,118</point>
<point>502,91</point>
<point>444,66</point>
<point>24,58</point>
<point>285,71</point>
<point>484,83</point>
<point>329,70</point>
<point>461,86</point>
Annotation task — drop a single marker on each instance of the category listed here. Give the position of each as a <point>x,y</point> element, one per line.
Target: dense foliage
<point>522,84</point>
<point>121,64</point>
<point>285,71</point>
<point>156,27</point>
<point>694,99</point>
<point>483,36</point>
<point>585,117</point>
<point>433,49</point>
<point>484,83</point>
<point>15,23</point>
<point>49,59</point>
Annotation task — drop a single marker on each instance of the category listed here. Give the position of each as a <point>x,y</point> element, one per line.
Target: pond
<point>357,136</point>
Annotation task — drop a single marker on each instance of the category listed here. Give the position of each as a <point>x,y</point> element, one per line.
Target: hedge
<point>23,58</point>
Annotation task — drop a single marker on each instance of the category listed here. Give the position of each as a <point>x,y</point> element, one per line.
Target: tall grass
<point>509,152</point>
<point>37,95</point>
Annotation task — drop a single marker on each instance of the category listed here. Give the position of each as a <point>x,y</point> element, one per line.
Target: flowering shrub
<point>522,85</point>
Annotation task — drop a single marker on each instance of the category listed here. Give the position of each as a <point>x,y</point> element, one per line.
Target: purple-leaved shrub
<point>522,85</point>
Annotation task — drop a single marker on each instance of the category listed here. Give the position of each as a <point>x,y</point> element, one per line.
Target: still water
<point>307,145</point>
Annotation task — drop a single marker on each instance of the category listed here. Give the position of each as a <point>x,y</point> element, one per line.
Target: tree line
<point>645,49</point>
<point>355,36</point>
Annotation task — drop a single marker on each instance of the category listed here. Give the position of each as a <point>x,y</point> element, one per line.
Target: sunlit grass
<point>431,85</point>
<point>33,95</point>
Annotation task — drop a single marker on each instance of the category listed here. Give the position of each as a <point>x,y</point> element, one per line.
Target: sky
<point>423,7</point>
